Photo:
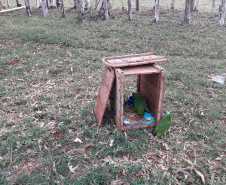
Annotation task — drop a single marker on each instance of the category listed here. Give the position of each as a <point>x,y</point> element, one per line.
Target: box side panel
<point>103,94</point>
<point>98,114</point>
<point>139,70</point>
<point>161,94</point>
<point>150,88</point>
<point>119,88</point>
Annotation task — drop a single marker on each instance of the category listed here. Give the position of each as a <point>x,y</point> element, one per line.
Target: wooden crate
<point>150,83</point>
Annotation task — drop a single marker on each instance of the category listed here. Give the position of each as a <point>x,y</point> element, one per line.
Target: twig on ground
<point>191,168</point>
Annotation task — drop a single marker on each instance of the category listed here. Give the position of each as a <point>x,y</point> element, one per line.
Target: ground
<point>50,72</point>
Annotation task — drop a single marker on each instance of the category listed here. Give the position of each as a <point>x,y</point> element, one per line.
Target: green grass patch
<point>48,131</point>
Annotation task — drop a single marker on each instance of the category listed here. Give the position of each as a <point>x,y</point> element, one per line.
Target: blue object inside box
<point>147,115</point>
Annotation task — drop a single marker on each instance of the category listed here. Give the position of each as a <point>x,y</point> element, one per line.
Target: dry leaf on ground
<point>201,175</point>
<point>166,146</point>
<point>77,140</point>
<point>72,169</point>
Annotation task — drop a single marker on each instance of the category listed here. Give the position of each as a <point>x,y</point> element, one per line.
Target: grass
<point>47,100</point>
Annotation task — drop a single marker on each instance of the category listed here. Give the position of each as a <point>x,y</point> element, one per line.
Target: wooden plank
<point>119,85</point>
<point>148,85</point>
<point>162,81</point>
<point>107,76</point>
<point>98,114</point>
<point>161,95</point>
<point>139,70</point>
<point>126,127</point>
<point>111,102</point>
<point>12,9</point>
<point>128,56</point>
<point>133,60</point>
<point>103,94</point>
<point>150,95</point>
<point>159,67</point>
<point>153,78</point>
<point>150,88</point>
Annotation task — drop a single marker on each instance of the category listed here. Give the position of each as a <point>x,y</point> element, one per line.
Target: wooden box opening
<point>150,82</point>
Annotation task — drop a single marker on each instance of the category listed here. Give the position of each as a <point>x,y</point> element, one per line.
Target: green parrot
<point>140,104</point>
<point>163,124</point>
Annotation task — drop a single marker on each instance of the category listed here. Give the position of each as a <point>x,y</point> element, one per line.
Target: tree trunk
<point>47,4</point>
<point>96,4</point>
<point>191,5</point>
<point>1,7</point>
<point>196,7</point>
<point>123,8</point>
<point>105,6</point>
<point>137,5</point>
<point>52,4</point>
<point>62,8</point>
<point>156,10</point>
<point>130,10</point>
<point>80,9</point>
<point>109,6</point>
<point>18,4</point>
<point>187,11</point>
<point>172,4</point>
<point>8,4</point>
<point>27,4</point>
<point>57,3</point>
<point>222,12</point>
<point>213,5</point>
<point>87,5</point>
<point>44,8</point>
<point>37,3</point>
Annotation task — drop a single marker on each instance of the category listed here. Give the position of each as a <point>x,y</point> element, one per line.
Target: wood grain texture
<point>103,94</point>
<point>139,70</point>
<point>149,88</point>
<point>133,60</point>
<point>161,95</point>
<point>119,85</point>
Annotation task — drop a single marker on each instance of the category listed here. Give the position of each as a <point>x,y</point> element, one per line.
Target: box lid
<point>133,60</point>
<point>103,94</point>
